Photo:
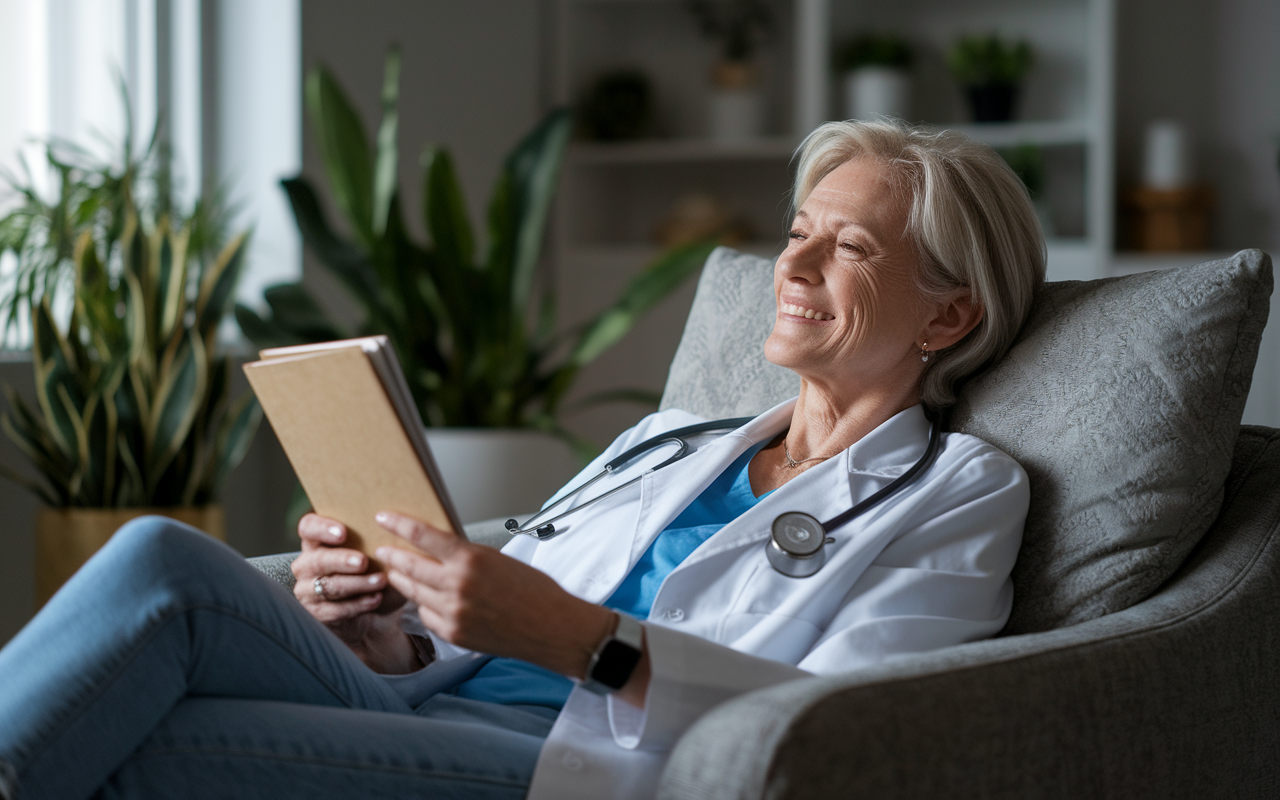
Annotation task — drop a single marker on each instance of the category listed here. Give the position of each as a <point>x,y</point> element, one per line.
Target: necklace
<point>792,463</point>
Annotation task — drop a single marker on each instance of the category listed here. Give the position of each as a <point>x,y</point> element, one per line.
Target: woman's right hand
<point>359,607</point>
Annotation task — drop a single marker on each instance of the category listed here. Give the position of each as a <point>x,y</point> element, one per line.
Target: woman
<point>168,667</point>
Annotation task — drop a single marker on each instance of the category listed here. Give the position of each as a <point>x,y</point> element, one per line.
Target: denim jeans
<point>168,667</point>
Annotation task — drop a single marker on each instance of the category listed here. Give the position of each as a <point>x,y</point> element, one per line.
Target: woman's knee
<point>162,549</point>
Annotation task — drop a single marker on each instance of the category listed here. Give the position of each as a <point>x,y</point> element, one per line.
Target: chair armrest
<point>490,532</point>
<point>1176,696</point>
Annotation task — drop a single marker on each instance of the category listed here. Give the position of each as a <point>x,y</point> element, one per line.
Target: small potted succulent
<point>738,27</point>
<point>123,294</point>
<point>990,70</point>
<point>877,75</point>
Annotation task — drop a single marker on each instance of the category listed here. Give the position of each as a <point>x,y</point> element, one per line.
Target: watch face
<point>616,663</point>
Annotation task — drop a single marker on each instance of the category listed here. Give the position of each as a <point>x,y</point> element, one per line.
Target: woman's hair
<point>971,222</point>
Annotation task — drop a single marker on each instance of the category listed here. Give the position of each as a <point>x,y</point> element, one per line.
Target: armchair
<point>1140,660</point>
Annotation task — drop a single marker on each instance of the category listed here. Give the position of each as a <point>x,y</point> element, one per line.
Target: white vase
<point>877,91</point>
<point>500,472</point>
<point>736,114</point>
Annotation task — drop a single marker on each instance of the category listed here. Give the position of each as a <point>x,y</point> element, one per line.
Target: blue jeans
<point>168,667</point>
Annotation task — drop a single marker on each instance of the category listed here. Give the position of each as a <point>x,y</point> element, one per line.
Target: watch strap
<point>616,658</point>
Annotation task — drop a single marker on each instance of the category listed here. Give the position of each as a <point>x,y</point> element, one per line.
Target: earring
<point>924,352</point>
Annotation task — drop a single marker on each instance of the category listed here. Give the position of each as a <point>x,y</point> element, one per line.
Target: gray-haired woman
<point>166,666</point>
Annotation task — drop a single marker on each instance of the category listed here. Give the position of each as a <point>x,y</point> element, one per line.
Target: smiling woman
<point>912,260</point>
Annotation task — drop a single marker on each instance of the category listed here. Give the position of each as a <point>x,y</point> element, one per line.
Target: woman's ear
<point>954,318</point>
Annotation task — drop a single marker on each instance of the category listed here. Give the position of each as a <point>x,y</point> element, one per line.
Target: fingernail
<point>334,531</point>
<point>382,516</point>
<point>353,561</point>
<point>373,580</point>
<point>383,553</point>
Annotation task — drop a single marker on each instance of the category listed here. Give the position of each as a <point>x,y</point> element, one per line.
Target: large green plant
<point>475,330</point>
<point>132,396</point>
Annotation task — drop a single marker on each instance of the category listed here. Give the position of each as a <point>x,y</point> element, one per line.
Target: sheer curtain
<point>226,73</point>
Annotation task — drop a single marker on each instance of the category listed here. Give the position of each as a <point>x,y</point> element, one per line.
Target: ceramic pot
<point>737,104</point>
<point>66,537</point>
<point>737,115</point>
<point>500,472</point>
<point>992,103</point>
<point>877,91</point>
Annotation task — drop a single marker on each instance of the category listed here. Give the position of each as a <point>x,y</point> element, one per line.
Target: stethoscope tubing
<point>546,528</point>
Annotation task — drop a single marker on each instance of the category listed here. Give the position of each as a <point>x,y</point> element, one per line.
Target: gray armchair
<point>1142,656</point>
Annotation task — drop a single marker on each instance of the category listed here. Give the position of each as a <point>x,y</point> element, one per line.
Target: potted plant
<point>475,330</point>
<point>738,27</point>
<point>124,295</point>
<point>990,71</point>
<point>877,75</point>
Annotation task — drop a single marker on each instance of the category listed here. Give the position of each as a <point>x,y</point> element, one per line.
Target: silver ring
<point>318,585</point>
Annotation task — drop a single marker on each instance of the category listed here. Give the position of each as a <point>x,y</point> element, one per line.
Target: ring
<point>318,585</point>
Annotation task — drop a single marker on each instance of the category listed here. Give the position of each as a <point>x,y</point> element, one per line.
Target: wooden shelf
<point>668,151</point>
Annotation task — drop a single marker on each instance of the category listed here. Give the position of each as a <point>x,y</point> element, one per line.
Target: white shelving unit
<point>614,194</point>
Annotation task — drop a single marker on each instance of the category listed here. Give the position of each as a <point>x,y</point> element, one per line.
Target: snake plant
<point>132,394</point>
<point>475,331</point>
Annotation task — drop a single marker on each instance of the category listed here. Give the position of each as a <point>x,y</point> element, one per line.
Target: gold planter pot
<point>66,537</point>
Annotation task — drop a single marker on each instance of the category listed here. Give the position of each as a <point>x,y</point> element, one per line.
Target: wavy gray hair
<point>971,222</point>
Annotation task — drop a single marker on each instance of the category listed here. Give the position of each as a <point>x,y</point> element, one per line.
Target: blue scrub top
<point>512,682</point>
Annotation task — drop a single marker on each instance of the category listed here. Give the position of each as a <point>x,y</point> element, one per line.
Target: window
<point>226,74</point>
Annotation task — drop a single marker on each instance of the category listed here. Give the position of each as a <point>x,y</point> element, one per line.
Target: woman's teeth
<point>807,313</point>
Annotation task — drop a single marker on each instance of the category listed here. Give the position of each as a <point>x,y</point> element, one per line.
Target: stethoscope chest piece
<point>796,548</point>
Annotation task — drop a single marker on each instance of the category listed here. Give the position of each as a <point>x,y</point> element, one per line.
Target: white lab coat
<point>927,568</point>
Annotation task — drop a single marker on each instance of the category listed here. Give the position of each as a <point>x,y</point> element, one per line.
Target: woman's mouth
<point>808,313</point>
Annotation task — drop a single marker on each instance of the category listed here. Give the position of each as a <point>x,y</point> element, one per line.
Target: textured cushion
<point>1122,400</point>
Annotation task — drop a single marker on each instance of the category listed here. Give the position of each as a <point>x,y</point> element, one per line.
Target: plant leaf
<point>645,290</point>
<point>171,282</point>
<point>533,170</point>
<point>294,309</point>
<point>345,150</point>
<point>176,403</point>
<point>235,435</point>
<point>54,368</point>
<point>217,288</point>
<point>385,164</point>
<point>348,263</point>
<point>445,211</point>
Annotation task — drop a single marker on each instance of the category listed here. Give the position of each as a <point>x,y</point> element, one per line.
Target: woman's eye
<point>795,235</point>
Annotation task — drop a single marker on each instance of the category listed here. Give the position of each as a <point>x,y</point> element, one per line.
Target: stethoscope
<point>796,547</point>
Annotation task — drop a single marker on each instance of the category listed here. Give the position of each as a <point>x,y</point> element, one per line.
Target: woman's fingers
<point>427,538</point>
<point>343,587</point>
<point>320,531</point>
<point>423,570</point>
<point>343,610</point>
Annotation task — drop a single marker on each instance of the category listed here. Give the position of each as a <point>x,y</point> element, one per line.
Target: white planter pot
<point>873,91</point>
<point>497,472</point>
<point>736,115</point>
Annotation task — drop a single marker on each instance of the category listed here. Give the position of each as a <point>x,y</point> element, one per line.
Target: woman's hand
<point>359,607</point>
<point>478,598</point>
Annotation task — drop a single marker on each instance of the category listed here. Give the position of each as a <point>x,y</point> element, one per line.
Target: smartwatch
<point>616,658</point>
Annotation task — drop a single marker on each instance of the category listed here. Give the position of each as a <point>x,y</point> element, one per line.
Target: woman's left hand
<point>478,598</point>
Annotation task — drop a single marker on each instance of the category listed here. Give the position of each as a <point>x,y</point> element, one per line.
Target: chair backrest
<point>1122,399</point>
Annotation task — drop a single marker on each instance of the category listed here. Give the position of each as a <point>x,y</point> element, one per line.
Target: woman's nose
<point>802,260</point>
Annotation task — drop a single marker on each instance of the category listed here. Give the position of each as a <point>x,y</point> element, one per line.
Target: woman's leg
<point>160,613</point>
<point>218,748</point>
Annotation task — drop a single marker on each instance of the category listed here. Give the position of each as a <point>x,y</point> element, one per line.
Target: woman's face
<point>849,314</point>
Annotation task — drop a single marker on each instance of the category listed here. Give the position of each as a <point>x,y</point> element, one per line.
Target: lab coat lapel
<point>665,493</point>
<point>831,487</point>
<point>600,544</point>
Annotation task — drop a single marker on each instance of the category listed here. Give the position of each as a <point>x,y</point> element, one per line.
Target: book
<point>345,418</point>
